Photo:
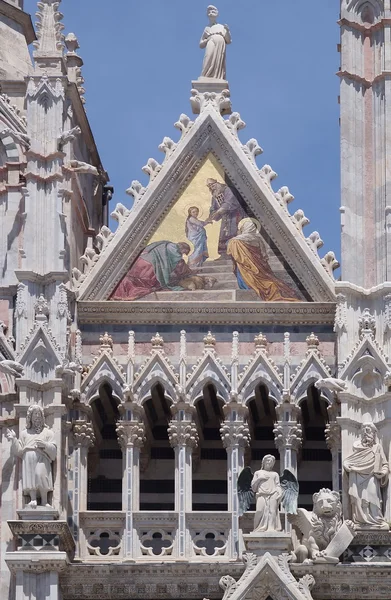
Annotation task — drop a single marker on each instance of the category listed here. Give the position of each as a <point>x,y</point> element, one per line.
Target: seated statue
<point>37,449</point>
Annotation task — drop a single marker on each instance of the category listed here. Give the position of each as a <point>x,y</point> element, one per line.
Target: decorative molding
<point>249,313</point>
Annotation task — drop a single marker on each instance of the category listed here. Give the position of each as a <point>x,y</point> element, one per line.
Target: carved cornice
<point>257,313</point>
<point>59,528</point>
<point>48,562</point>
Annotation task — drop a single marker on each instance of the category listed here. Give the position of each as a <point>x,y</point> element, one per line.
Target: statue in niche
<point>214,39</point>
<point>368,471</point>
<point>37,449</point>
<point>268,489</point>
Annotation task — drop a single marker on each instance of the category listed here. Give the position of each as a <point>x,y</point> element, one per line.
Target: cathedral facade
<point>192,405</point>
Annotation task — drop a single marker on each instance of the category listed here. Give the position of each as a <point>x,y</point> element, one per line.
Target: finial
<point>157,342</point>
<point>71,43</point>
<point>106,342</point>
<point>312,342</point>
<point>260,342</point>
<point>209,341</point>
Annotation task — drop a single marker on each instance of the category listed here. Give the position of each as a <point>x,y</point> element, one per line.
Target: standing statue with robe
<point>268,493</point>
<point>224,207</point>
<point>368,471</point>
<point>37,449</point>
<point>214,39</point>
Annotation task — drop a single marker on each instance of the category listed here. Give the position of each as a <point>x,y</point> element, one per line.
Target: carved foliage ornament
<point>183,433</point>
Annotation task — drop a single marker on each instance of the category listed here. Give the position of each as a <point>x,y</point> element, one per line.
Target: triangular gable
<point>270,578</point>
<point>366,369</point>
<point>156,369</point>
<point>40,355</point>
<point>104,368</point>
<point>209,135</point>
<point>208,369</point>
<point>260,369</point>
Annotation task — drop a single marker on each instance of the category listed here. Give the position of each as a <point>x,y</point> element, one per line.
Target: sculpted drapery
<point>214,39</point>
<point>368,471</point>
<point>268,493</point>
<point>37,449</point>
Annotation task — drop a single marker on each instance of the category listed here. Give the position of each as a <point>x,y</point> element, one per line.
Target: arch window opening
<point>210,458</point>
<point>314,460</point>
<point>105,457</point>
<point>157,461</point>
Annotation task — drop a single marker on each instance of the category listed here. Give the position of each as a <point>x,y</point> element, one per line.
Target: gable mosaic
<point>211,247</point>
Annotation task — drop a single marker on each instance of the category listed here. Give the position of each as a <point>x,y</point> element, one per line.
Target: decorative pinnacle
<point>312,342</point>
<point>367,324</point>
<point>209,341</point>
<point>72,43</point>
<point>260,342</point>
<point>106,342</point>
<point>157,342</point>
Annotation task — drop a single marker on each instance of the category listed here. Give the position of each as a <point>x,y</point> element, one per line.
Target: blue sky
<point>140,57</point>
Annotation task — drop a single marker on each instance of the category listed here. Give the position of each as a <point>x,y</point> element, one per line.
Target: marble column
<point>288,437</point>
<point>83,435</point>
<point>183,438</point>
<point>333,441</point>
<point>235,436</point>
<point>131,437</point>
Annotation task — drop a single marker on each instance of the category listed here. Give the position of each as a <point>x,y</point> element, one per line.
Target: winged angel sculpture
<point>269,490</point>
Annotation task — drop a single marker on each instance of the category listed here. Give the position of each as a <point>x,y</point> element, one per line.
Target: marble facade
<point>155,401</point>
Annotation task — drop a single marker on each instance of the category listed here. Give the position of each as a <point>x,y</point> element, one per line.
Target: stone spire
<point>50,40</point>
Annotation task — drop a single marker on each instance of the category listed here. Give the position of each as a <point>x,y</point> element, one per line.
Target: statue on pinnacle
<point>214,39</point>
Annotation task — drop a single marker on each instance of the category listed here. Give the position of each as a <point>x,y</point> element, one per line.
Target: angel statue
<point>268,489</point>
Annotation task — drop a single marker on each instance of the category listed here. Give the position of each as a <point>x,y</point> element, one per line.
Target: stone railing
<point>155,534</point>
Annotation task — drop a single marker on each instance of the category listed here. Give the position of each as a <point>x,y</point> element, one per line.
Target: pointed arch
<point>105,369</point>
<point>260,370</point>
<point>156,369</point>
<point>209,369</point>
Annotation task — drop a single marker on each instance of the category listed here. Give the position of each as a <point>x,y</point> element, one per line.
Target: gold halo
<point>246,220</point>
<point>186,210</point>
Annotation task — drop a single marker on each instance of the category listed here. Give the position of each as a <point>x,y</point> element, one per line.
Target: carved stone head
<point>368,434</point>
<point>212,12</point>
<point>35,418</point>
<point>268,462</point>
<point>327,503</point>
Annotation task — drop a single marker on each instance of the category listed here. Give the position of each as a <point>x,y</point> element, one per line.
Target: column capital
<point>333,436</point>
<point>287,435</point>
<point>83,433</point>
<point>183,433</point>
<point>130,434</point>
<point>235,433</point>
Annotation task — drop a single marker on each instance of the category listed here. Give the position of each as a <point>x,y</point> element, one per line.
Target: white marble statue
<point>325,536</point>
<point>368,471</point>
<point>214,39</point>
<point>37,449</point>
<point>268,493</point>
